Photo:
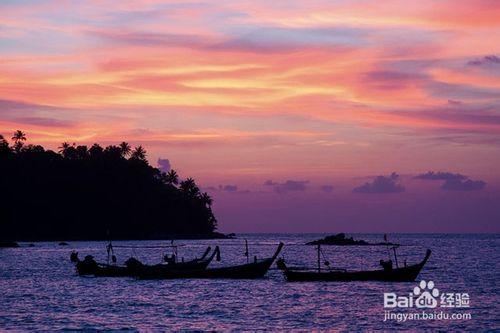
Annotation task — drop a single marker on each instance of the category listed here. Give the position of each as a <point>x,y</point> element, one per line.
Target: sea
<point>40,290</point>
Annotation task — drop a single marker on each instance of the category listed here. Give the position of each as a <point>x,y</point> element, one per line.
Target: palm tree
<point>172,177</point>
<point>68,150</point>
<point>96,150</point>
<point>82,152</point>
<point>139,153</point>
<point>206,199</point>
<point>33,148</point>
<point>113,152</point>
<point>189,187</point>
<point>18,138</point>
<point>63,147</point>
<point>126,149</point>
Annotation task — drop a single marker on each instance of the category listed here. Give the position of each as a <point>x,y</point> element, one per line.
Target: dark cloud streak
<point>463,185</point>
<point>228,188</point>
<point>486,60</point>
<point>287,186</point>
<point>164,164</point>
<point>440,175</point>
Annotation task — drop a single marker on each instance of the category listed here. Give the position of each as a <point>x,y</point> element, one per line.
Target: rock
<point>340,239</point>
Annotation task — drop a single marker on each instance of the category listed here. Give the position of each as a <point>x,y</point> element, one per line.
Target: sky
<point>297,116</point>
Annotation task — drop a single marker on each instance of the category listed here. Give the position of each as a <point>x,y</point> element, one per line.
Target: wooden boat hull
<point>403,274</point>
<point>90,267</point>
<point>246,271</point>
<point>161,269</point>
<point>111,271</point>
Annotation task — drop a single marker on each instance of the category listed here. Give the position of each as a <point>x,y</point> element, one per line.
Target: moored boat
<point>254,270</point>
<point>387,273</point>
<point>89,266</point>
<point>164,268</point>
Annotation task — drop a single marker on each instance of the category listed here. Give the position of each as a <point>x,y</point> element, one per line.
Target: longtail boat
<point>387,273</point>
<point>196,264</point>
<point>253,270</point>
<point>89,266</point>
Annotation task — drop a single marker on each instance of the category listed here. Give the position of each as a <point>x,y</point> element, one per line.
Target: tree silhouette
<point>81,192</point>
<point>62,148</point>
<point>206,199</point>
<point>82,152</point>
<point>19,137</point>
<point>71,153</point>
<point>96,151</point>
<point>4,145</point>
<point>33,149</point>
<point>189,187</point>
<point>125,148</point>
<point>172,178</point>
<point>113,152</point>
<point>139,153</point>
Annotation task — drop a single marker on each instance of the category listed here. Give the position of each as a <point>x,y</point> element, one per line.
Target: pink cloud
<point>260,90</point>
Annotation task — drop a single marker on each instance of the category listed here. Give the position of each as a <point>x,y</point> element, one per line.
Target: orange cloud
<point>323,76</point>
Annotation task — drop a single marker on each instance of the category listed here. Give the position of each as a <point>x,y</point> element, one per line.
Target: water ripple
<point>40,290</point>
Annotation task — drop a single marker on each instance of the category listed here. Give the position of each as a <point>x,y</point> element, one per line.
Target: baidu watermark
<point>426,302</point>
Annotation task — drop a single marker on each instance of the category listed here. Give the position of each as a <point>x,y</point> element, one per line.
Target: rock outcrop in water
<point>340,239</point>
<point>96,192</point>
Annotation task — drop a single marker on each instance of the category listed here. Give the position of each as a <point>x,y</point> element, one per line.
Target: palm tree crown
<point>206,199</point>
<point>126,149</point>
<point>63,147</point>
<point>18,138</point>
<point>139,153</point>
<point>172,177</point>
<point>96,150</point>
<point>189,187</point>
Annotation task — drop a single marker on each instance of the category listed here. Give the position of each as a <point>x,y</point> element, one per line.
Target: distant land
<point>96,193</point>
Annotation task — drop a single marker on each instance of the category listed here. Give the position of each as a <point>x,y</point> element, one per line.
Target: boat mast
<point>246,251</point>
<point>395,256</point>
<point>109,249</point>
<point>319,258</point>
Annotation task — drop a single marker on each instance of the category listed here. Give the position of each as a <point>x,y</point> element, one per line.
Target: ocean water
<point>39,289</point>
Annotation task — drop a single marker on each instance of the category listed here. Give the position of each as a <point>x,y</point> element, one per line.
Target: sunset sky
<point>285,111</point>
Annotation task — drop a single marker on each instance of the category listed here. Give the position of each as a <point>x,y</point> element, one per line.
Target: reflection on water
<point>41,291</point>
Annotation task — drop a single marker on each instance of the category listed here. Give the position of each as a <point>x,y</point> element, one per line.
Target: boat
<point>254,270</point>
<point>196,264</point>
<point>89,266</point>
<point>387,273</point>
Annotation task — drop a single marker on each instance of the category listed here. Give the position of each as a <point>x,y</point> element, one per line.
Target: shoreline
<point>215,235</point>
